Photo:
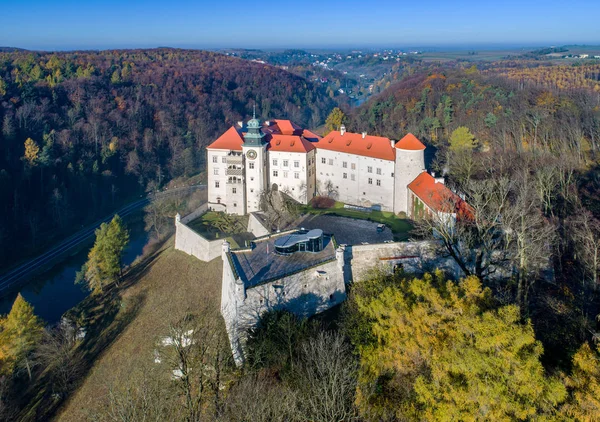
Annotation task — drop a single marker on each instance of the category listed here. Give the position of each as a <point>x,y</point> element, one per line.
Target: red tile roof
<point>410,142</point>
<point>290,143</point>
<point>282,135</point>
<point>438,196</point>
<point>230,140</point>
<point>354,143</point>
<point>286,127</point>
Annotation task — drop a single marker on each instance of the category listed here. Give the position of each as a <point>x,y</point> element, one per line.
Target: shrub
<point>322,202</point>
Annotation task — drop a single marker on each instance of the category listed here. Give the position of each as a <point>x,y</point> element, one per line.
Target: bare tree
<point>326,378</point>
<point>584,230</point>
<point>196,352</point>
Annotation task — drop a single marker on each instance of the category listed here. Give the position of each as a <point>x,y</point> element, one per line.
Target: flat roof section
<point>257,266</point>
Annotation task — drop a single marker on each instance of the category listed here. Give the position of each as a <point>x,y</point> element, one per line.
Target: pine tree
<point>21,331</point>
<point>104,264</point>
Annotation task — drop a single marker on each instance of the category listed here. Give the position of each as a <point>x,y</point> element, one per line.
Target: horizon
<point>66,25</point>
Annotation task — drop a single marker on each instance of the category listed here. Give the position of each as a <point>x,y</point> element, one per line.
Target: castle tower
<point>410,162</point>
<point>255,157</point>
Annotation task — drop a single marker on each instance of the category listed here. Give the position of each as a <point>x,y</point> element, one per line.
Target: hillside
<point>105,126</point>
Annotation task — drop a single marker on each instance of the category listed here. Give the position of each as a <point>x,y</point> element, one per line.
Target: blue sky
<point>94,24</point>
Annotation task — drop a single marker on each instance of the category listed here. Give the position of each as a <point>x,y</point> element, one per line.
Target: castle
<point>303,271</point>
<point>354,168</point>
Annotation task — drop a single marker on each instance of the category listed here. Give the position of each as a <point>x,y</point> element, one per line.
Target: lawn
<point>218,225</point>
<point>158,292</point>
<point>400,226</point>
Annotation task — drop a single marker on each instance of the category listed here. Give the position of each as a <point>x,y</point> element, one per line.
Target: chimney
<point>392,143</point>
<point>433,174</point>
<point>364,135</point>
<point>342,130</point>
<point>240,123</point>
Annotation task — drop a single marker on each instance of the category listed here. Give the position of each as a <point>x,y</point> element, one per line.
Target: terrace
<point>262,264</point>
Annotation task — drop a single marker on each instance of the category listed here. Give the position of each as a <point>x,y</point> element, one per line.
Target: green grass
<point>217,225</point>
<point>400,226</point>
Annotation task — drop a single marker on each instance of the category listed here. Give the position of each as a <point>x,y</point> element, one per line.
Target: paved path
<point>18,274</point>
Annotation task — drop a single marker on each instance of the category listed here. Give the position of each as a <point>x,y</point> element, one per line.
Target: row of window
<point>285,174</point>
<point>370,181</point>
<point>352,166</point>
<point>286,163</point>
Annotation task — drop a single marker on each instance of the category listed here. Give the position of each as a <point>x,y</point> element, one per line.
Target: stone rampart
<point>192,243</point>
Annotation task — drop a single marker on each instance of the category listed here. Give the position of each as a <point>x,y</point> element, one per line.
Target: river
<point>54,291</point>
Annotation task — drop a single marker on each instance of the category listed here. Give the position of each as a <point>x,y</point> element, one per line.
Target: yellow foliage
<point>440,351</point>
<point>32,151</point>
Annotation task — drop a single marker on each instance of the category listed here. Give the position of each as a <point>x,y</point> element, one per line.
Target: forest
<point>84,132</point>
<point>516,338</point>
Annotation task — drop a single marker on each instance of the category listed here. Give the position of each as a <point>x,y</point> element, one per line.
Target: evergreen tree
<point>104,264</point>
<point>21,331</point>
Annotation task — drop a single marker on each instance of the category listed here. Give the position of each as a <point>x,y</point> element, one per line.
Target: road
<point>18,274</point>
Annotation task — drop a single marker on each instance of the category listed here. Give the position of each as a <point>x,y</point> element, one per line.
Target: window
<point>297,164</point>
<point>378,170</point>
<point>353,166</point>
<point>345,176</point>
<point>352,177</point>
<point>392,174</point>
<point>285,163</point>
<point>251,179</point>
<point>235,204</point>
<point>370,181</point>
<point>234,190</point>
<point>216,172</point>
<point>250,165</point>
<point>224,160</point>
<point>275,173</point>
<point>296,175</point>
<point>369,169</point>
<point>378,182</point>
<point>216,184</point>
<point>331,161</point>
<point>215,158</point>
<point>323,160</point>
<point>285,174</point>
<point>251,190</point>
<point>274,161</point>
<point>345,164</point>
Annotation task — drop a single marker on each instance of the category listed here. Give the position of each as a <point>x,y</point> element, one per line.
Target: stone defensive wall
<point>190,242</point>
<point>415,257</point>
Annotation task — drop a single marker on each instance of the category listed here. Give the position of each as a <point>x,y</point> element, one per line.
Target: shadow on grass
<point>104,316</point>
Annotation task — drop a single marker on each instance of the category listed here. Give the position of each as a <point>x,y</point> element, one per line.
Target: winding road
<point>18,274</point>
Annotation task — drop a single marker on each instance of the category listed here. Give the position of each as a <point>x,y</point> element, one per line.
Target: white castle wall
<point>417,257</point>
<point>255,226</point>
<point>305,293</point>
<point>358,191</point>
<point>190,242</point>
<point>409,164</point>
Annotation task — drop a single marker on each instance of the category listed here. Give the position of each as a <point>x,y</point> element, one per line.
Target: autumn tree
<point>21,333</point>
<point>583,385</point>
<point>440,350</point>
<point>335,119</point>
<point>32,152</point>
<point>104,264</point>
